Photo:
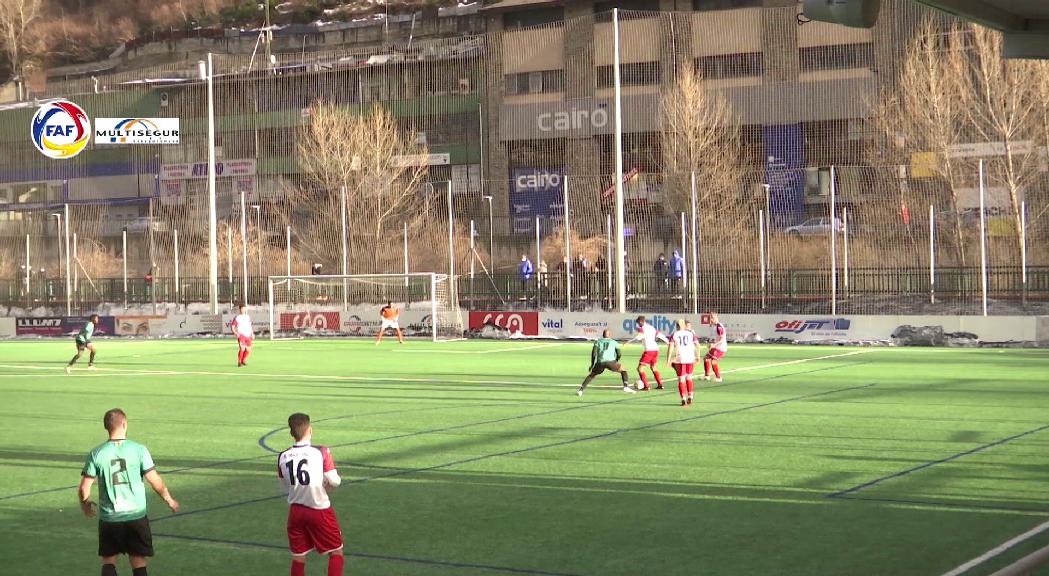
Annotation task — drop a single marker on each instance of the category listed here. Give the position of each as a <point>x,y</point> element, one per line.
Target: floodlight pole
<point>620,238</point>
<point>761,253</point>
<point>568,253</point>
<point>213,262</point>
<point>345,262</point>
<point>124,253</point>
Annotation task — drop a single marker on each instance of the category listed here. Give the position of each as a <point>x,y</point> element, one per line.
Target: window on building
<point>724,4</point>
<point>533,17</point>
<point>540,82</point>
<point>731,65</point>
<point>837,57</point>
<point>636,74</point>
<point>628,9</point>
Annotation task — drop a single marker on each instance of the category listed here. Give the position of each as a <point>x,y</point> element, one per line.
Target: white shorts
<point>390,324</point>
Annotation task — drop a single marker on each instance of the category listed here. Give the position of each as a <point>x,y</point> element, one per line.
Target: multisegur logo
<point>60,129</point>
<point>136,130</point>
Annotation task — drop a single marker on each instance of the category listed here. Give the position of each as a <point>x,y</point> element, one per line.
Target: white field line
<point>494,351</point>
<point>132,372</point>
<point>997,550</point>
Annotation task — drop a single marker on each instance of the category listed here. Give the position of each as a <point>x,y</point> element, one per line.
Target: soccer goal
<point>336,305</point>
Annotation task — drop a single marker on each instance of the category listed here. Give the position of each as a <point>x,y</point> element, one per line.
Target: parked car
<point>815,227</point>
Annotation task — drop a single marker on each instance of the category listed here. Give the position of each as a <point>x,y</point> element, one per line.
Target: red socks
<point>298,568</point>
<point>242,356</point>
<point>689,386</point>
<point>717,372</point>
<point>335,562</point>
<point>659,382</point>
<point>644,380</point>
<point>681,389</point>
<point>706,367</point>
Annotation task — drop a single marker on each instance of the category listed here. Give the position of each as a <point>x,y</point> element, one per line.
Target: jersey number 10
<point>299,472</point>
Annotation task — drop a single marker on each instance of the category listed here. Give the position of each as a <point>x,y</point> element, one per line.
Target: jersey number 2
<point>299,472</point>
<point>114,474</point>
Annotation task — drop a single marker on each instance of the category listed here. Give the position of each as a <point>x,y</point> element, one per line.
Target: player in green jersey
<point>83,340</point>
<point>605,356</point>
<point>122,468</point>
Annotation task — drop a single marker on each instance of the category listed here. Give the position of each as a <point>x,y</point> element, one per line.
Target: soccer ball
<point>639,385</point>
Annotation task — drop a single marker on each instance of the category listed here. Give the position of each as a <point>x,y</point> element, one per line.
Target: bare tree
<point>699,134</point>
<point>16,16</point>
<point>377,163</point>
<point>926,112</point>
<point>1002,106</point>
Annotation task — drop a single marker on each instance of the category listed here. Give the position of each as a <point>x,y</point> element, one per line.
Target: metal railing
<point>904,290</point>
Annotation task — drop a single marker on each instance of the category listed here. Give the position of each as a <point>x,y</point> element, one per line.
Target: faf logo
<point>60,129</point>
<point>799,326</point>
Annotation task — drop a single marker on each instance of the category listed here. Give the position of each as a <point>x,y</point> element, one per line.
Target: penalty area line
<point>998,550</point>
<point>495,351</point>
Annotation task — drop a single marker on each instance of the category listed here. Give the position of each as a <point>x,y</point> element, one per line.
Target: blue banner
<point>535,192</point>
<point>784,173</point>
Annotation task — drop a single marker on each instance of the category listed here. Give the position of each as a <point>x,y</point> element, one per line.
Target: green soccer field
<point>478,458</point>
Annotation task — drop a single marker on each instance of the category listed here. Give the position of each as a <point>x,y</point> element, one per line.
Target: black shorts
<point>602,366</point>
<point>133,538</point>
<point>82,344</point>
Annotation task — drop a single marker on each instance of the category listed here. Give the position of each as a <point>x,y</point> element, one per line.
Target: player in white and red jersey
<point>245,334</point>
<point>307,473</point>
<point>681,353</point>
<point>648,335</point>
<point>717,349</point>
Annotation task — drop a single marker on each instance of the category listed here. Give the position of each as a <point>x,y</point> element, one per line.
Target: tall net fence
<point>775,167</point>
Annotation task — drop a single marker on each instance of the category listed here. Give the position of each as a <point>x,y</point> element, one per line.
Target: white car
<point>815,227</point>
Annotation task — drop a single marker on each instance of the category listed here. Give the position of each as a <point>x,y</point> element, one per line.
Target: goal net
<point>336,305</point>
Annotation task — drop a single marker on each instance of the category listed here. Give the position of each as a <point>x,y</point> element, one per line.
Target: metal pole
<point>1023,249</point>
<point>684,254</point>
<point>213,262</point>
<point>768,228</point>
<point>287,236</point>
<point>229,261</point>
<point>608,256</point>
<point>405,253</point>
<point>471,262</point>
<point>152,260</point>
<point>983,243</point>
<point>69,295</point>
<point>244,245</point>
<point>932,255</point>
<point>845,249</point>
<point>58,264</point>
<point>28,272</point>
<point>761,253</point>
<point>76,272</point>
<point>620,238</point>
<point>177,281</point>
<point>833,244</point>
<point>491,235</point>
<point>124,240</point>
<point>345,249</point>
<point>568,253</point>
<point>538,261</point>
<point>451,244</point>
<point>695,251</point>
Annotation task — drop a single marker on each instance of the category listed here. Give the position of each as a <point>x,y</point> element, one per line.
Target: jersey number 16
<point>299,472</point>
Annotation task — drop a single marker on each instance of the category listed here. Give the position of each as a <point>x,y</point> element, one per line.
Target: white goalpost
<point>348,305</point>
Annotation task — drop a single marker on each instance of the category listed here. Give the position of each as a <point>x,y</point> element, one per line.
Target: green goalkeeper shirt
<point>605,350</point>
<point>86,332</point>
<point>119,466</point>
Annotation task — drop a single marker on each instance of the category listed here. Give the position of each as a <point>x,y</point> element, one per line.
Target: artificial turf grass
<point>477,457</point>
